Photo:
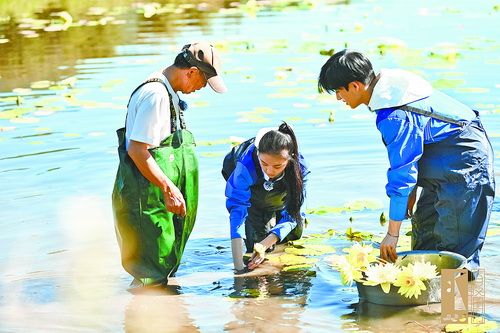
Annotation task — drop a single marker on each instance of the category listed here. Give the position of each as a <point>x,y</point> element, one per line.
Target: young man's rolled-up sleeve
<point>405,144</point>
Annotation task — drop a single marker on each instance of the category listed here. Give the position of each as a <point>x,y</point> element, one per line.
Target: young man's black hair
<point>343,68</point>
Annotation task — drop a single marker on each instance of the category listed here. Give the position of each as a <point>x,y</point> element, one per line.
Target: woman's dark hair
<point>274,142</point>
<point>343,68</point>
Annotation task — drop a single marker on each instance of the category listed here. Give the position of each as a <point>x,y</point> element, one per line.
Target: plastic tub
<point>442,259</point>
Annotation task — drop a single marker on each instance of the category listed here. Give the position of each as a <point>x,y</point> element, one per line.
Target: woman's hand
<point>259,250</point>
<point>258,256</point>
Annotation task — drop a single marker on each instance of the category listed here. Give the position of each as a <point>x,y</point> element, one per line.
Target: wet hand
<point>174,201</point>
<point>388,247</point>
<point>258,256</point>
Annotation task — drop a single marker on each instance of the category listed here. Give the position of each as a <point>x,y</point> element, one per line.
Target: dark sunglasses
<point>207,69</point>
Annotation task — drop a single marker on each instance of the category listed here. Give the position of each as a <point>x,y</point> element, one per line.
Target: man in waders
<point>433,142</point>
<point>155,196</point>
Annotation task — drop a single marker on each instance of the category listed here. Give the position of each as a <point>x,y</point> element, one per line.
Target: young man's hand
<point>390,241</point>
<point>388,248</point>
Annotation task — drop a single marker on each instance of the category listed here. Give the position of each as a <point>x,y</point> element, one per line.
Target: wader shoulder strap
<point>433,115</point>
<point>173,114</point>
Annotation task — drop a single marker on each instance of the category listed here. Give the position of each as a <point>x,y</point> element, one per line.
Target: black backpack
<point>229,163</point>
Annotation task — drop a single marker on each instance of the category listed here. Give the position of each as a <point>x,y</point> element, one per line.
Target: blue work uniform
<point>452,163</point>
<point>255,211</point>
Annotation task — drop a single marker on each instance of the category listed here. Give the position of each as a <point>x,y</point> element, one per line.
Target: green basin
<point>442,259</point>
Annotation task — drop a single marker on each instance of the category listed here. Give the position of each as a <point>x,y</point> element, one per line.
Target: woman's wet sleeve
<point>238,196</point>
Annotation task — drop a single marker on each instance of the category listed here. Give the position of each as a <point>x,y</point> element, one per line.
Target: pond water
<point>63,95</point>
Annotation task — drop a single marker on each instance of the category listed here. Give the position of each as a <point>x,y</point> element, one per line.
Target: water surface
<point>63,95</point>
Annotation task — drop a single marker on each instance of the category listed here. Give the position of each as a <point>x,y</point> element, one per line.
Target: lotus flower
<point>381,274</point>
<point>410,284</point>
<point>424,270</point>
<point>348,273</point>
<point>360,255</point>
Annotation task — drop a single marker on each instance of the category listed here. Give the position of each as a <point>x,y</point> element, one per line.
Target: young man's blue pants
<point>458,188</point>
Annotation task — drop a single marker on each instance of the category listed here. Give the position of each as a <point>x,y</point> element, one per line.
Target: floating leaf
<point>40,84</point>
<point>310,250</point>
<point>21,91</point>
<point>382,219</point>
<point>298,268</point>
<point>287,259</point>
<point>246,293</point>
<point>358,235</point>
<point>328,53</point>
<point>447,83</point>
<point>9,99</point>
<point>493,232</point>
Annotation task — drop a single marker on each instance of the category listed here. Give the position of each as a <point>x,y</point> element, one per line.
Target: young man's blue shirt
<point>405,133</point>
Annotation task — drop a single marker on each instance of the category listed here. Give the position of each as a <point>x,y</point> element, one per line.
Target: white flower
<point>381,274</point>
<point>424,270</point>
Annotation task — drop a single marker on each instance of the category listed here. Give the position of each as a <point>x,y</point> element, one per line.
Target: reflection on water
<point>158,312</point>
<point>380,318</point>
<point>59,262</point>
<point>32,54</point>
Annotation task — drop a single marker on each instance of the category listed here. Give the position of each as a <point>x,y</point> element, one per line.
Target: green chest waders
<point>151,239</point>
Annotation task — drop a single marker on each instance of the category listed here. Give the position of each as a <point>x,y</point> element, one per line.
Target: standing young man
<point>155,196</point>
<point>434,142</point>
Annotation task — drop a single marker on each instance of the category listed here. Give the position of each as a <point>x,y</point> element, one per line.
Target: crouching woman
<point>264,195</point>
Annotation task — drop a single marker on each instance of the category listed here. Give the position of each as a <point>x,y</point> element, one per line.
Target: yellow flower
<point>425,270</point>
<point>360,255</point>
<point>410,284</point>
<point>381,274</point>
<point>348,273</point>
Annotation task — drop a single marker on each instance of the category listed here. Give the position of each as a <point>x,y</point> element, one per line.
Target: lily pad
<point>358,235</point>
<point>358,205</point>
<point>292,260</point>
<point>246,293</point>
<point>298,268</point>
<point>310,250</point>
<point>448,83</point>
